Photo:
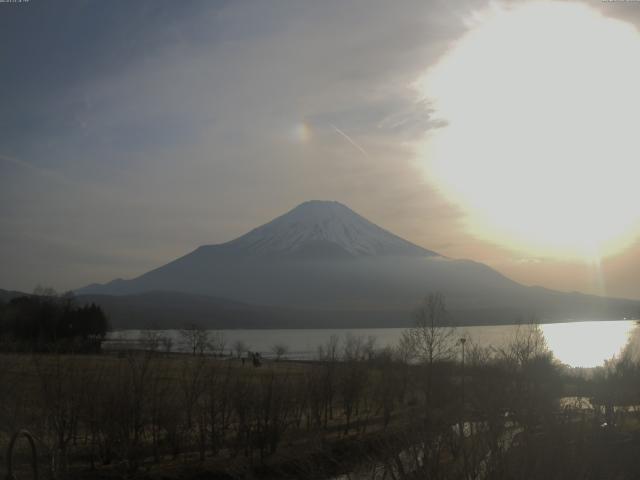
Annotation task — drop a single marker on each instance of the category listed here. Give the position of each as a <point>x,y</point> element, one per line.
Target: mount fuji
<point>321,263</point>
<point>323,229</point>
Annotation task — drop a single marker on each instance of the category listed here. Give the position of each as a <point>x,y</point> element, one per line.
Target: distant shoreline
<point>381,327</point>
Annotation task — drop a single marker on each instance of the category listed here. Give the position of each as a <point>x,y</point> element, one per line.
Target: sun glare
<point>598,341</point>
<point>540,147</point>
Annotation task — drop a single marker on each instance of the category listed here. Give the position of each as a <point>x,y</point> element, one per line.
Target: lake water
<point>577,344</point>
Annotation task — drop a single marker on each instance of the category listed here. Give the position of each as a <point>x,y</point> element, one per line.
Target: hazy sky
<point>132,132</point>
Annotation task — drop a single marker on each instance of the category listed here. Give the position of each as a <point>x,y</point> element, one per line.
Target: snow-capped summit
<point>324,227</point>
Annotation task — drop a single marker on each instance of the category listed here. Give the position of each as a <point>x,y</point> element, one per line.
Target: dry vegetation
<point>403,413</point>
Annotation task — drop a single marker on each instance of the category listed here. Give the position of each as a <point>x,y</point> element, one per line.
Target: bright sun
<point>542,138</point>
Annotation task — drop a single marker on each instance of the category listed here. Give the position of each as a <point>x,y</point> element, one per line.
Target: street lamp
<point>463,340</point>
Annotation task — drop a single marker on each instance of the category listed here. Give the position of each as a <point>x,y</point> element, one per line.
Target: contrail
<point>350,140</point>
<point>37,170</point>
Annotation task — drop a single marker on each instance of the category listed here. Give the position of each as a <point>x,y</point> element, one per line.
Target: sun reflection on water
<point>587,344</point>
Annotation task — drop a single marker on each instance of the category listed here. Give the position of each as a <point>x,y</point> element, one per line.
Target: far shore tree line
<point>48,321</point>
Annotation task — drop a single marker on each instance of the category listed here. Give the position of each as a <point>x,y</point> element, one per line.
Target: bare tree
<point>218,414</point>
<point>534,390</point>
<point>387,384</point>
<point>195,338</point>
<point>157,404</point>
<point>355,348</point>
<point>353,377</point>
<point>328,354</point>
<point>62,383</point>
<point>239,347</point>
<point>404,353</point>
<point>139,369</point>
<point>279,350</point>
<point>527,343</point>
<point>270,415</point>
<point>370,347</point>
<point>150,340</point>
<point>432,339</point>
<point>167,343</point>
<point>192,387</point>
<point>217,343</point>
<point>329,351</point>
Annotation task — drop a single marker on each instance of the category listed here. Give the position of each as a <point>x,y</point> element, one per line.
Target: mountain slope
<point>163,310</point>
<point>322,256</point>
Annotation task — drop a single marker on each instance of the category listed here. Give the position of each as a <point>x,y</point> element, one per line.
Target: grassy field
<point>152,412</point>
<point>151,415</point>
